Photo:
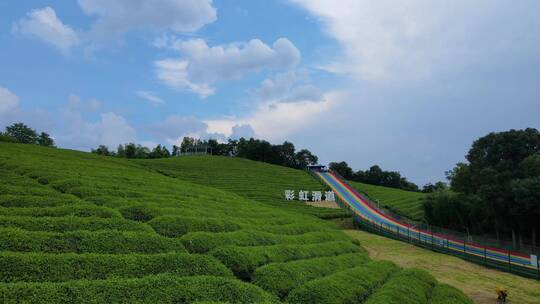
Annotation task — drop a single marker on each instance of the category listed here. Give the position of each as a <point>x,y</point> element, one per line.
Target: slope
<point>404,203</point>
<point>257,181</point>
<point>81,228</point>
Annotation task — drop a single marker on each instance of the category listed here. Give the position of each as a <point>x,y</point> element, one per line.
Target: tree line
<point>375,176</point>
<point>496,191</point>
<point>21,133</point>
<point>284,154</point>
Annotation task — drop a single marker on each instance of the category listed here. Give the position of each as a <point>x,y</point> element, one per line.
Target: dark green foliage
<point>410,286</point>
<point>281,278</point>
<point>348,286</point>
<point>294,228</point>
<point>446,294</point>
<point>374,176</point>
<point>12,239</point>
<point>500,184</point>
<point>201,242</point>
<point>141,213</point>
<point>29,200</point>
<point>175,226</point>
<point>71,223</point>
<point>244,260</point>
<point>6,138</point>
<point>40,267</point>
<point>164,288</point>
<point>22,133</point>
<point>45,140</point>
<point>80,210</point>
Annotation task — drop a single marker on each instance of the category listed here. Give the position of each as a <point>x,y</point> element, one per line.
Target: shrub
<point>80,210</point>
<point>29,267</point>
<point>165,288</point>
<point>201,242</point>
<point>281,278</point>
<point>71,223</point>
<point>141,213</point>
<point>244,260</point>
<point>12,239</point>
<point>412,286</point>
<point>292,229</point>
<point>26,200</point>
<point>174,226</point>
<point>348,286</point>
<point>446,294</point>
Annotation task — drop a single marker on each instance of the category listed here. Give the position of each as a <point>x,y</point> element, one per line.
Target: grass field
<point>405,203</point>
<point>258,181</point>
<point>476,281</point>
<point>83,228</point>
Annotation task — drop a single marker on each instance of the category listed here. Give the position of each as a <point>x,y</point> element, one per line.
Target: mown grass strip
<point>12,239</point>
<point>410,286</point>
<point>244,260</point>
<point>281,278</point>
<point>202,242</point>
<point>43,267</point>
<point>165,288</point>
<point>348,286</point>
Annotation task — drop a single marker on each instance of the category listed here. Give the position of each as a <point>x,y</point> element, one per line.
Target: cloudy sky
<point>407,85</point>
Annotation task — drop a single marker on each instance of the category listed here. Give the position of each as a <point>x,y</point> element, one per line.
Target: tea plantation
<point>405,203</point>
<point>82,228</point>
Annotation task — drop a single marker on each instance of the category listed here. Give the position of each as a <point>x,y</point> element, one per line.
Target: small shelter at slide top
<point>317,168</point>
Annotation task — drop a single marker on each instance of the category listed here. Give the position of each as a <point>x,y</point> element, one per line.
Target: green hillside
<point>405,203</point>
<point>82,228</point>
<point>258,181</point>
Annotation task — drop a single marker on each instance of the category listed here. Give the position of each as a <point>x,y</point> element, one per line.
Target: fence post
<point>464,246</point>
<point>485,255</point>
<point>397,232</point>
<point>432,244</point>
<point>509,261</point>
<point>408,234</point>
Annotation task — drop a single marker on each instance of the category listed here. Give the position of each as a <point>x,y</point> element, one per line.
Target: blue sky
<point>405,85</point>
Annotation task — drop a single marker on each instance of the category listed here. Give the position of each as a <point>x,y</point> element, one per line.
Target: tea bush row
<point>12,239</point>
<point>409,286</point>
<point>164,288</point>
<point>446,294</point>
<point>281,278</point>
<point>175,226</point>
<point>43,267</point>
<point>71,223</point>
<point>201,242</point>
<point>80,210</point>
<point>348,286</point>
<point>27,200</point>
<point>244,260</point>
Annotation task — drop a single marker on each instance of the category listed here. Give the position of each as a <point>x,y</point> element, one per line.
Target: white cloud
<point>8,101</point>
<point>175,126</point>
<point>119,16</point>
<point>44,25</point>
<point>150,97</point>
<point>110,129</point>
<point>201,66</point>
<point>239,131</point>
<point>288,87</point>
<point>279,121</point>
<point>384,40</point>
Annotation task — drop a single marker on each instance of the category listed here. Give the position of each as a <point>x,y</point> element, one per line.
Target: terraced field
<point>257,181</point>
<point>405,203</point>
<point>81,228</point>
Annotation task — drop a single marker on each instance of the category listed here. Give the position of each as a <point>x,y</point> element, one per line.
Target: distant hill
<point>254,180</point>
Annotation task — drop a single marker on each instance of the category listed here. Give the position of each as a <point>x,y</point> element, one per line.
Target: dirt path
<point>476,281</point>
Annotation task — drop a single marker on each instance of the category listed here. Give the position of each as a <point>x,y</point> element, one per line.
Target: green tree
<point>102,150</point>
<point>22,133</point>
<point>305,158</point>
<point>45,140</point>
<point>342,168</point>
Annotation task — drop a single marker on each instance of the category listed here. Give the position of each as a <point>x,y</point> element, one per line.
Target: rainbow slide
<point>368,213</point>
